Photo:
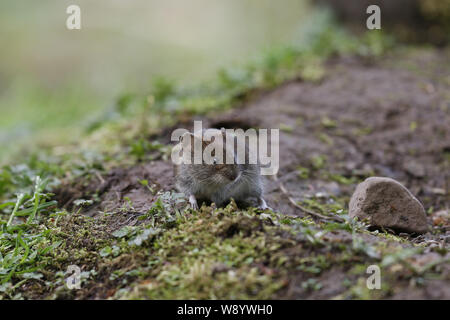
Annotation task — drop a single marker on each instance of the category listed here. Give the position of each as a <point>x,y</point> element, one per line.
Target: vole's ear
<point>186,136</point>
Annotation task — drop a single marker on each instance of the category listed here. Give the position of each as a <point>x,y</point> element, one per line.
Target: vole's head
<point>210,163</point>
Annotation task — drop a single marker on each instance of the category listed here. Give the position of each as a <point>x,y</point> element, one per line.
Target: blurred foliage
<point>53,81</point>
<point>416,21</point>
<point>320,39</point>
<point>437,10</point>
<point>437,14</point>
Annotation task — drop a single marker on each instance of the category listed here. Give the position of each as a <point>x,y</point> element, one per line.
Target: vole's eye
<point>214,161</point>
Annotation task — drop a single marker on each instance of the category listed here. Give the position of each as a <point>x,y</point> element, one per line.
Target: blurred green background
<point>53,80</point>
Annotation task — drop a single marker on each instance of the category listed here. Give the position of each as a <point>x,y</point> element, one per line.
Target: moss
<point>303,172</point>
<point>340,178</point>
<point>318,162</point>
<point>214,254</point>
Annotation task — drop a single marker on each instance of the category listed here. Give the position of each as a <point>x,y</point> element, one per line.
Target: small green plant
<point>141,147</point>
<point>303,172</point>
<point>22,241</point>
<point>286,128</point>
<point>318,162</point>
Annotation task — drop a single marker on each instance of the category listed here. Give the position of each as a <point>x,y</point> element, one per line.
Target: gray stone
<point>387,203</point>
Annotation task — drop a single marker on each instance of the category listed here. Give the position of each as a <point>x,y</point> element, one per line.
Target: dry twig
<point>305,210</point>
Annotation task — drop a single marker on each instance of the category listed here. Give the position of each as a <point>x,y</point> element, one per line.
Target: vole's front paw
<point>193,202</point>
<point>263,205</point>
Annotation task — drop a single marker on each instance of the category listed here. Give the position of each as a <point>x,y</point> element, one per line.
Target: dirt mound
<point>361,120</point>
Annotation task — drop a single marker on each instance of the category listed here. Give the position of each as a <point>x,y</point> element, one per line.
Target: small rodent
<point>219,183</point>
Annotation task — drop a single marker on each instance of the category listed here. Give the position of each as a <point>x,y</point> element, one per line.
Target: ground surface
<point>363,118</point>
